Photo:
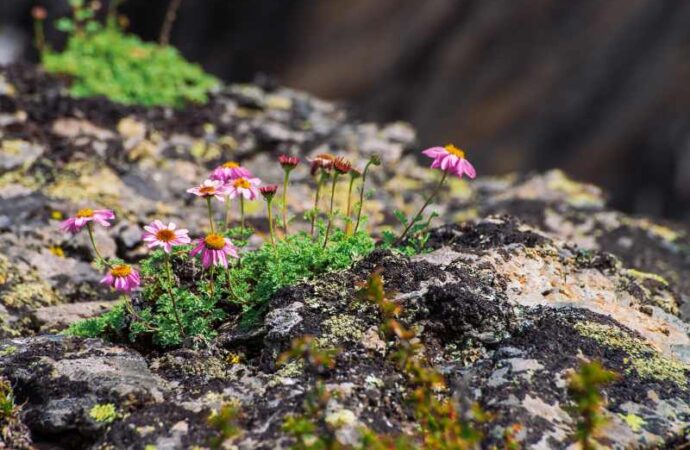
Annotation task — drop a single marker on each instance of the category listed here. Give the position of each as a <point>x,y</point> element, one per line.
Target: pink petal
<point>434,152</point>
<point>469,168</point>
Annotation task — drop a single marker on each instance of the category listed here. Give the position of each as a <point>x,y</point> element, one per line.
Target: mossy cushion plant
<point>186,288</point>
<point>104,60</point>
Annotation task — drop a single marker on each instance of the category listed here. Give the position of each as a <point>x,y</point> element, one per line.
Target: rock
<point>63,378</point>
<point>52,319</point>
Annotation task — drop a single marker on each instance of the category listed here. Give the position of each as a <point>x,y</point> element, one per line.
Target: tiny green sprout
<point>374,160</point>
<point>7,406</point>
<point>104,413</point>
<point>226,422</point>
<point>585,388</point>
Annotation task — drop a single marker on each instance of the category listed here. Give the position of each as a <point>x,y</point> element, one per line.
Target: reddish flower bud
<point>342,165</point>
<point>39,13</point>
<point>288,162</point>
<point>268,191</point>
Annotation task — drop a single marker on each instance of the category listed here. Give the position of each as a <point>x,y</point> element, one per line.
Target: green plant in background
<point>104,413</point>
<point>104,60</point>
<point>585,388</point>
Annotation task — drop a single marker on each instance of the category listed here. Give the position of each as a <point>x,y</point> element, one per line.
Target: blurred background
<point>599,88</point>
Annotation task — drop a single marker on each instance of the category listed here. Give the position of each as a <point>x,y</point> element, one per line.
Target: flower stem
<point>228,213</point>
<point>242,212</point>
<point>39,36</point>
<point>361,195</point>
<point>330,212</point>
<point>210,214</point>
<point>285,188</point>
<point>270,222</point>
<point>319,184</point>
<point>348,226</point>
<point>89,227</point>
<point>419,214</point>
<point>212,279</point>
<point>171,281</point>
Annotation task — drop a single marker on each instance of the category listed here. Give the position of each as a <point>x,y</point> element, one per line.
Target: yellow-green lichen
<point>643,359</point>
<point>634,422</point>
<point>7,351</point>
<point>342,328</point>
<point>104,413</point>
<point>643,276</point>
<point>577,194</point>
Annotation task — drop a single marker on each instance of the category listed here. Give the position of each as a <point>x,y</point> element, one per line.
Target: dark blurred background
<point>599,88</point>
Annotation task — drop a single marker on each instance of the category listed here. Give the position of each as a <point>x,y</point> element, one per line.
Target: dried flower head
<point>323,162</point>
<point>342,165</point>
<point>160,235</point>
<point>86,215</point>
<point>214,250</point>
<point>450,159</point>
<point>122,277</point>
<point>269,191</point>
<point>288,162</point>
<point>210,188</point>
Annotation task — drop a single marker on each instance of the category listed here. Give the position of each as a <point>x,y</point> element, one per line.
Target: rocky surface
<point>531,276</point>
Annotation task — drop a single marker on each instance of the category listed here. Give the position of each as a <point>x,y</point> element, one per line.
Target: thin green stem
<point>317,196</point>
<point>171,281</point>
<point>89,227</point>
<point>361,195</point>
<point>228,213</point>
<point>242,212</point>
<point>348,225</point>
<point>330,212</point>
<point>270,222</point>
<point>419,214</point>
<point>211,276</point>
<point>39,36</point>
<point>210,214</point>
<point>284,208</point>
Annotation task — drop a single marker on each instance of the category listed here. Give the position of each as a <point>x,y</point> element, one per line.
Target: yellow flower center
<point>241,183</point>
<point>121,270</point>
<point>165,235</point>
<point>453,150</point>
<point>86,212</point>
<point>231,165</point>
<point>207,190</point>
<point>214,241</point>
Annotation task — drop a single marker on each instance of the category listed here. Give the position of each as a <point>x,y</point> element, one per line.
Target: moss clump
<point>104,413</point>
<point>643,359</point>
<point>104,60</point>
<point>636,423</point>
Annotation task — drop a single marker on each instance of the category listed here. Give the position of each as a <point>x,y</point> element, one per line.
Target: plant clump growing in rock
<point>185,288</point>
<point>102,59</point>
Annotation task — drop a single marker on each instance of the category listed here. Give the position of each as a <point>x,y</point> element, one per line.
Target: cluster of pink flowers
<point>230,181</point>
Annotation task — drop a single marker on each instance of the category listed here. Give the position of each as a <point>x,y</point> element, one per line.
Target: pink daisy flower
<point>450,159</point>
<point>122,277</point>
<point>84,216</point>
<point>210,188</point>
<point>245,187</point>
<point>159,235</point>
<point>229,171</point>
<point>214,250</point>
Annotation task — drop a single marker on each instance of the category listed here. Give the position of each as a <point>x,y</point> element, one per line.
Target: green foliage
<point>417,237</point>
<point>7,406</point>
<point>104,60</point>
<point>226,421</point>
<point>108,324</point>
<point>193,307</point>
<point>585,387</point>
<point>297,258</point>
